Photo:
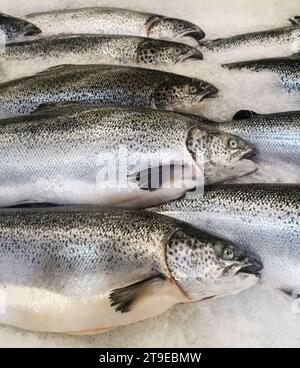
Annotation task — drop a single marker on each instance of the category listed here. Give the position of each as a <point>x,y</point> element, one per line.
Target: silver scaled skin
<point>276,42</point>
<point>29,57</point>
<point>114,21</point>
<point>102,85</point>
<point>100,156</point>
<point>286,69</point>
<point>12,29</point>
<point>87,271</point>
<point>263,218</point>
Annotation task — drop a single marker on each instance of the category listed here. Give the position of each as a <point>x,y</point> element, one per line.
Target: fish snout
<point>32,30</point>
<point>196,35</point>
<point>210,91</point>
<point>250,153</point>
<point>247,153</point>
<point>194,55</point>
<point>253,266</point>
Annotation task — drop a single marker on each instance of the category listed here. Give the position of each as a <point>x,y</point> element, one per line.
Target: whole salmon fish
<point>113,156</point>
<point>87,271</point>
<point>32,56</point>
<point>106,20</point>
<point>102,85</point>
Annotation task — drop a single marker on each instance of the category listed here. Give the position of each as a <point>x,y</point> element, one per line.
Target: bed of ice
<point>258,317</point>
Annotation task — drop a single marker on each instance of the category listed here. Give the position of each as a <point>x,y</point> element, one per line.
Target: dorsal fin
<point>56,68</point>
<point>244,114</point>
<point>53,106</point>
<point>294,23</point>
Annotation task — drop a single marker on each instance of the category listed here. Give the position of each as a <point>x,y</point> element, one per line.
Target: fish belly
<point>41,310</point>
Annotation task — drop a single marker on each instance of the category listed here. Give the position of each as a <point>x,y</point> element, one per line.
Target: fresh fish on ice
<point>114,21</point>
<point>102,85</point>
<point>113,156</point>
<point>37,54</point>
<point>87,271</point>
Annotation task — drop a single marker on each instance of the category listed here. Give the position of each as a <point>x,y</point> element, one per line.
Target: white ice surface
<point>256,317</point>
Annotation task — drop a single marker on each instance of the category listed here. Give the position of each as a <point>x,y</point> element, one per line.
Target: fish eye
<point>177,51</point>
<point>233,143</point>
<point>193,89</point>
<point>180,25</point>
<point>228,254</point>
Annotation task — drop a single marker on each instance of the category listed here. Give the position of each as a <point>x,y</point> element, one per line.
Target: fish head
<point>206,267</point>
<point>176,92</point>
<point>163,27</point>
<point>31,30</point>
<point>153,52</point>
<point>220,155</point>
<point>17,28</point>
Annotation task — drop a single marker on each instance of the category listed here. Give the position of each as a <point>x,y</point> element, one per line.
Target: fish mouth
<point>252,268</point>
<point>210,92</point>
<point>246,155</point>
<point>194,55</point>
<point>250,154</point>
<point>32,30</point>
<point>196,35</point>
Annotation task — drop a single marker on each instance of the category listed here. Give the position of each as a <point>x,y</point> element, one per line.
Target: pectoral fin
<point>155,178</point>
<point>124,298</point>
<point>244,114</point>
<point>295,294</point>
<point>295,21</point>
<point>46,108</point>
